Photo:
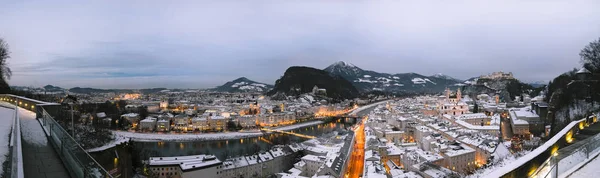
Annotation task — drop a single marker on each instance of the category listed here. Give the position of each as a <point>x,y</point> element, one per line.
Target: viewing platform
<point>40,147</point>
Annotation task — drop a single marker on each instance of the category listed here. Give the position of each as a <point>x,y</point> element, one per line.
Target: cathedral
<point>452,104</point>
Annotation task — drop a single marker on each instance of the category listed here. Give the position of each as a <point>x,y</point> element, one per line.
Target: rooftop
<point>186,162</point>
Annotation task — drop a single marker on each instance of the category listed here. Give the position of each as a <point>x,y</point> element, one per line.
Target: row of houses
<point>215,122</point>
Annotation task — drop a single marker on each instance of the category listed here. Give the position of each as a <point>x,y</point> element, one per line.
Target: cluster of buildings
<point>498,75</point>
<point>216,111</point>
<point>439,136</point>
<point>324,157</point>
<point>261,164</point>
<point>210,120</point>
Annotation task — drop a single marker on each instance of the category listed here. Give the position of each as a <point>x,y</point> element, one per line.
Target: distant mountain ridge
<point>243,84</point>
<point>298,80</point>
<point>366,80</point>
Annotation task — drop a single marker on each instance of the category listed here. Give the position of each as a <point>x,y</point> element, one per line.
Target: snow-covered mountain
<point>444,76</point>
<point>366,80</point>
<point>243,84</point>
<point>538,83</point>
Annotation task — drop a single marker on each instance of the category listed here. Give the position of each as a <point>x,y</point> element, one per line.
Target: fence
<point>569,157</point>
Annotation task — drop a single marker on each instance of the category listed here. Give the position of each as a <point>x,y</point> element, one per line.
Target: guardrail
<point>16,151</point>
<point>77,161</point>
<point>569,157</point>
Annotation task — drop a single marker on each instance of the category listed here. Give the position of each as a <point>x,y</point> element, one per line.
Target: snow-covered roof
<point>149,119</point>
<point>130,115</point>
<point>266,156</point>
<point>185,162</point>
<point>311,158</point>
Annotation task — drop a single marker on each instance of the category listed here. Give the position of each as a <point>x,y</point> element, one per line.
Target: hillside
<point>95,90</point>
<point>367,81</point>
<point>299,80</point>
<point>506,88</point>
<point>243,84</point>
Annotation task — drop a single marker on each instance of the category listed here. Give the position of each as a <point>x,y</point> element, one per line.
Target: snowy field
<point>591,169</point>
<point>6,118</point>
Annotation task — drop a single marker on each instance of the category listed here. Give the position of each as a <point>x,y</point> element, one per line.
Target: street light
<point>70,100</point>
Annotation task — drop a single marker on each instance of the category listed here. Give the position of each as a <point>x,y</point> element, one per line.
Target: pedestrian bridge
<point>40,147</point>
<point>290,133</point>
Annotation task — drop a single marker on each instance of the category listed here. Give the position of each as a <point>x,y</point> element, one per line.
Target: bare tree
<point>590,56</point>
<point>5,71</point>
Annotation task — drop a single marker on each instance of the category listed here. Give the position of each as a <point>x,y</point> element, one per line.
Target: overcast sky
<point>199,44</point>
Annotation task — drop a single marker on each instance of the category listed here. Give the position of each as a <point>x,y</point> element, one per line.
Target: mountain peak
<point>343,64</point>
<point>242,79</point>
<point>243,84</point>
<point>444,76</point>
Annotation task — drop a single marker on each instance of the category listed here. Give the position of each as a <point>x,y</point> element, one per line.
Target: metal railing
<point>540,161</point>
<point>79,162</point>
<point>75,159</point>
<point>569,157</point>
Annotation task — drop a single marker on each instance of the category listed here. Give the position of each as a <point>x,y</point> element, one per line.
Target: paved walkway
<point>40,160</point>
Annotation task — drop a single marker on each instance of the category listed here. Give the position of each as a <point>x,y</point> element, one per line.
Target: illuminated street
<point>356,165</point>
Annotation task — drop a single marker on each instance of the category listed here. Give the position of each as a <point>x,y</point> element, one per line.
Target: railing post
<point>556,162</point>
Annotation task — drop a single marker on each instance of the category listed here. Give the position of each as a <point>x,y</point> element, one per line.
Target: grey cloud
<point>203,44</point>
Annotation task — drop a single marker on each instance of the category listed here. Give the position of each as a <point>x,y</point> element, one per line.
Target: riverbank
<point>153,137</point>
<point>118,141</point>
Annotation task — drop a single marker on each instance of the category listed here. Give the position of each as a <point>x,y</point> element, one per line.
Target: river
<point>221,148</point>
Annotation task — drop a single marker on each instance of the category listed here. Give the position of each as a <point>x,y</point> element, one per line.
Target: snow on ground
<point>6,118</point>
<point>589,170</point>
<point>117,141</point>
<point>31,130</point>
<point>498,164</point>
<point>185,137</point>
<point>295,126</point>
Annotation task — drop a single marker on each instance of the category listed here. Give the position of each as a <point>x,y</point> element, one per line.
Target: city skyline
<point>141,44</point>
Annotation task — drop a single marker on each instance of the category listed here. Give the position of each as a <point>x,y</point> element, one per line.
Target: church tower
<point>447,94</point>
<point>458,95</point>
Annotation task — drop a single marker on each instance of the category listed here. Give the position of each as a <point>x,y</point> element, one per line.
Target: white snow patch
<point>235,85</point>
<point>109,145</point>
<point>398,84</point>
<point>31,130</point>
<point>430,81</point>
<point>396,77</point>
<point>367,76</point>
<point>384,80</point>
<point>418,81</point>
<point>6,117</point>
<point>259,85</point>
<point>365,81</point>
<point>591,168</point>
